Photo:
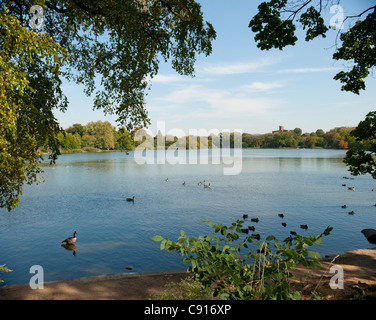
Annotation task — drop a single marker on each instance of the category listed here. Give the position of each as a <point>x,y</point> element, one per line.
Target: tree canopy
<point>111,47</point>
<point>275,26</point>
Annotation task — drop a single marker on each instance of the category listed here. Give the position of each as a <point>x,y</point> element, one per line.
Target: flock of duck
<point>200,183</point>
<point>256,220</point>
<point>370,233</point>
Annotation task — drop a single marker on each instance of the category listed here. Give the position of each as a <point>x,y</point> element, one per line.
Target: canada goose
<point>351,212</point>
<point>184,183</point>
<point>130,199</point>
<point>304,226</point>
<point>344,206</point>
<point>351,188</point>
<point>207,186</point>
<point>255,219</point>
<point>70,240</point>
<point>245,216</point>
<point>166,180</point>
<point>370,234</point>
<point>284,224</point>
<point>252,228</point>
<point>280,215</point>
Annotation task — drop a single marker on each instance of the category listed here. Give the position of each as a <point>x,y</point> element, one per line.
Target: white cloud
<point>200,101</point>
<point>306,70</point>
<point>235,68</point>
<point>262,86</point>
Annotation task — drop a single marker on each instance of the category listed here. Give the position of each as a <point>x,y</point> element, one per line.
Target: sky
<point>240,87</point>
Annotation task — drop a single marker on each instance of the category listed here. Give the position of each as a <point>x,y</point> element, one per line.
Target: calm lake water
<point>86,193</point>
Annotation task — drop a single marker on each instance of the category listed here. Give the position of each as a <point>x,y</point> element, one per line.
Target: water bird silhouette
<point>280,215</point>
<point>130,199</point>
<point>304,226</point>
<point>256,236</point>
<point>255,219</point>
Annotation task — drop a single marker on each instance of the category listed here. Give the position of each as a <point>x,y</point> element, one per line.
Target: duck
<point>344,206</point>
<point>280,215</point>
<point>245,216</point>
<point>370,235</point>
<point>256,236</point>
<point>284,224</point>
<point>70,240</point>
<point>304,226</point>
<point>130,199</point>
<point>351,212</point>
<point>244,230</point>
<point>255,219</point>
<point>293,233</point>
<point>252,228</point>
<point>166,180</point>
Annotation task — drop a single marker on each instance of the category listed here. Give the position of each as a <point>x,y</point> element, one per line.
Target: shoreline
<point>359,270</point>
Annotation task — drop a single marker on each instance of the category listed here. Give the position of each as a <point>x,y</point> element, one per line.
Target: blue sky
<point>241,87</point>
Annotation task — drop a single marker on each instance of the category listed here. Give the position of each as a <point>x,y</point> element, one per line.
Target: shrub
<point>237,271</point>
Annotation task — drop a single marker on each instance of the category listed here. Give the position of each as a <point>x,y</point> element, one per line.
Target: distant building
<point>281,129</point>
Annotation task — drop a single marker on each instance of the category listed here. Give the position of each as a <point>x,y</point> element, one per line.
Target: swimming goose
<point>70,240</point>
<point>130,199</point>
<point>207,186</point>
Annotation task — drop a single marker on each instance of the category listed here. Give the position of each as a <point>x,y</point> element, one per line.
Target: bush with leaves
<point>228,262</point>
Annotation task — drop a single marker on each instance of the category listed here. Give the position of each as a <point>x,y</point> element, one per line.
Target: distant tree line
<point>337,138</point>
<point>98,136</point>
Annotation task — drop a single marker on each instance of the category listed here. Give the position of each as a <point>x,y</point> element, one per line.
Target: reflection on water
<point>70,247</point>
<point>87,193</point>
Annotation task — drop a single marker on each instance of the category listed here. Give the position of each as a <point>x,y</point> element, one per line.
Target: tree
<point>29,91</point>
<point>118,44</point>
<point>361,160</point>
<point>76,128</point>
<point>275,26</point>
<point>102,133</point>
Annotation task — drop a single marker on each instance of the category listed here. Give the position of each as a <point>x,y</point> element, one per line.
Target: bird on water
<point>70,240</point>
<point>130,199</point>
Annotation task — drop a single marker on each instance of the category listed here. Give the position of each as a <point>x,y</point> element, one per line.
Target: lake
<point>86,193</point>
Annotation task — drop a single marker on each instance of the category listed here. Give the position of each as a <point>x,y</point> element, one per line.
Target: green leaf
<point>157,238</point>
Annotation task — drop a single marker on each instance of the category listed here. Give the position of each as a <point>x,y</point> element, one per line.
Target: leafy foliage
<point>111,47</point>
<point>275,27</point>
<point>27,60</point>
<point>237,271</point>
<point>361,158</point>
